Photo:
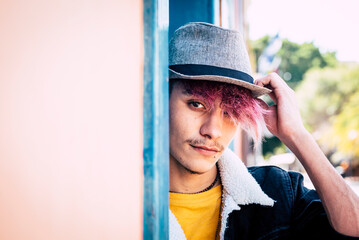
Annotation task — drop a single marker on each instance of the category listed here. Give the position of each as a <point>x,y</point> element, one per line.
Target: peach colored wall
<point>70,119</point>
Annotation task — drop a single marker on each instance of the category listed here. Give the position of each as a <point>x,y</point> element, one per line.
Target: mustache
<point>204,142</point>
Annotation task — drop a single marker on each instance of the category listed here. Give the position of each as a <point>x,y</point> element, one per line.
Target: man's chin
<point>200,165</point>
<point>194,162</point>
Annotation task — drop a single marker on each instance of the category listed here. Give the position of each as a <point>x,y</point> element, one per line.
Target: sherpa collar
<point>239,188</point>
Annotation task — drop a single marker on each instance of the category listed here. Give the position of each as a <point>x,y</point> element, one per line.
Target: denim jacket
<point>265,203</point>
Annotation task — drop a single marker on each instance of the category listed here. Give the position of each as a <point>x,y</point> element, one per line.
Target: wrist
<point>297,138</point>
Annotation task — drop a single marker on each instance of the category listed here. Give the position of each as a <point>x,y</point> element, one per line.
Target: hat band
<point>199,69</point>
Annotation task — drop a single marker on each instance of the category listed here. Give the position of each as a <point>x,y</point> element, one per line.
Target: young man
<point>212,194</point>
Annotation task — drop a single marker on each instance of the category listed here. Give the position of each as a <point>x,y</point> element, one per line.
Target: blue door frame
<point>184,11</point>
<point>155,119</point>
<point>157,30</point>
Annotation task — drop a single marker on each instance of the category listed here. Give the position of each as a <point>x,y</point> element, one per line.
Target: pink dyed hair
<point>237,102</point>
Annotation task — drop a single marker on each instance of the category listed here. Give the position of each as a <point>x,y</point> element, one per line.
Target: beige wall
<point>70,119</point>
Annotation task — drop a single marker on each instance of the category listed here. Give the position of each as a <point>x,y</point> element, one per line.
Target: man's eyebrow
<point>187,92</point>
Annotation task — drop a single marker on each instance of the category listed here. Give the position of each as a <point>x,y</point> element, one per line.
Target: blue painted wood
<point>231,145</point>
<point>155,120</point>
<point>184,11</point>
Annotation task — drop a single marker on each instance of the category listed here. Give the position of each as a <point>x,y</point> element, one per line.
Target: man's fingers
<point>272,80</point>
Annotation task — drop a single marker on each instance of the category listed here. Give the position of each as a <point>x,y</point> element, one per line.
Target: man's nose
<point>212,127</point>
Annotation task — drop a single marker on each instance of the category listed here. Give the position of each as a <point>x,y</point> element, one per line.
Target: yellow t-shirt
<point>198,214</point>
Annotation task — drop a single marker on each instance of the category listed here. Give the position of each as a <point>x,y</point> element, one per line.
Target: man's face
<point>198,135</point>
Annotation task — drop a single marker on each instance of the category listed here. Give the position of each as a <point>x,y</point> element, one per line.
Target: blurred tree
<point>324,92</point>
<point>329,100</point>
<point>258,46</point>
<point>345,129</point>
<point>296,59</point>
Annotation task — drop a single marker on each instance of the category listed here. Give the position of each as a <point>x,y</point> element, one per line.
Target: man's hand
<point>283,119</point>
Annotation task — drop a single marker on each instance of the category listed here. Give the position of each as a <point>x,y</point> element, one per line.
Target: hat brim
<point>257,91</point>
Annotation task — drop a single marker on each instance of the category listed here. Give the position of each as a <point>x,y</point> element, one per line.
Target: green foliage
<point>329,100</point>
<point>324,92</point>
<point>273,146</point>
<point>327,92</point>
<point>345,131</point>
<point>258,46</point>
<point>296,59</point>
<point>330,59</point>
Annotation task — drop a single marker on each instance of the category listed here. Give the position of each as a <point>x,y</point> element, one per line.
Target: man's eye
<point>196,105</point>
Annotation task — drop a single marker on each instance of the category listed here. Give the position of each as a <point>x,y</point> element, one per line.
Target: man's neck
<point>184,181</point>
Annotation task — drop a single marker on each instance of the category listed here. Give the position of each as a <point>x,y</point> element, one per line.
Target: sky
<point>332,25</point>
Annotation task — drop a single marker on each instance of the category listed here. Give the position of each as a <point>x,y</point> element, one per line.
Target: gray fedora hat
<point>202,51</point>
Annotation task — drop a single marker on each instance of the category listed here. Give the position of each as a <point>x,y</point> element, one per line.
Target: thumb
<point>269,115</point>
<point>270,119</point>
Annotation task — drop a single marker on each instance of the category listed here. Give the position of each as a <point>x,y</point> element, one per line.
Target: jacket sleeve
<point>308,215</point>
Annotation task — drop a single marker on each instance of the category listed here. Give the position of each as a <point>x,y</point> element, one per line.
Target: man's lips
<point>205,150</point>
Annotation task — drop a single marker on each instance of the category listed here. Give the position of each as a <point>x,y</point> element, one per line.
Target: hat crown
<point>207,44</point>
<point>203,51</point>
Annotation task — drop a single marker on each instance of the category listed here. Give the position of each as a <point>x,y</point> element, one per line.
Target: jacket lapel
<point>239,188</point>
<point>239,183</point>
